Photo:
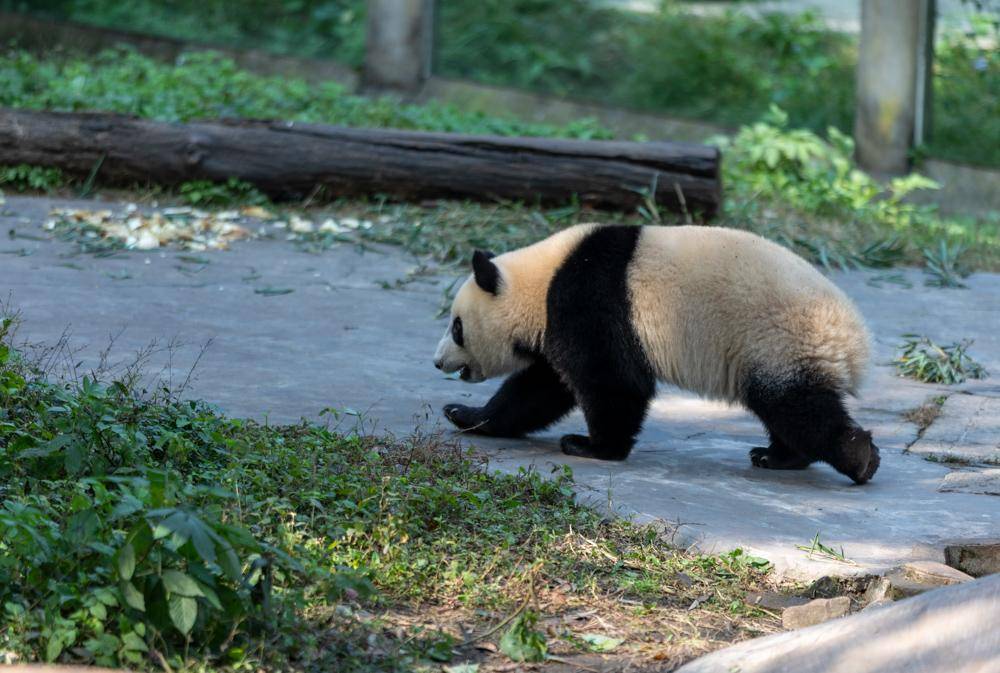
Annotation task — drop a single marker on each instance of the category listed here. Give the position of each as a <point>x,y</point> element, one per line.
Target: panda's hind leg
<point>806,417</point>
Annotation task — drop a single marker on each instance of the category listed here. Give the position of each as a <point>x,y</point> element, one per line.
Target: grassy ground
<point>728,69</point>
<point>142,530</point>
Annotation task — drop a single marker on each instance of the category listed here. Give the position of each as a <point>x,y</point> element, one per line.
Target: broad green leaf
<point>210,595</point>
<point>134,642</point>
<point>53,648</point>
<point>99,611</point>
<point>176,582</point>
<point>599,642</point>
<point>229,562</point>
<point>47,449</point>
<point>522,642</point>
<point>133,597</point>
<point>82,526</point>
<point>106,596</point>
<point>462,668</point>
<point>126,561</point>
<point>183,612</point>
<point>200,537</point>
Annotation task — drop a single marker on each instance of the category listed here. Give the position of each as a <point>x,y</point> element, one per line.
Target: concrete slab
<point>340,340</point>
<point>949,629</point>
<point>986,482</point>
<point>967,431</point>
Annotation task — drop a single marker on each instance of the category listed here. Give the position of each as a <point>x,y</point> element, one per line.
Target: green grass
<point>728,69</point>
<point>139,529</point>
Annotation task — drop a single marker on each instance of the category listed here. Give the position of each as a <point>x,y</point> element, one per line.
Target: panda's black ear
<point>486,272</point>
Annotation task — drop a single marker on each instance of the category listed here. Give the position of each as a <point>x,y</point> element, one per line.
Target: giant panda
<point>595,315</point>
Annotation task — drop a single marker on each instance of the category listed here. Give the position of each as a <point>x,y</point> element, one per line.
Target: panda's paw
<point>581,446</point>
<point>772,458</point>
<point>576,445</point>
<point>465,417</point>
<point>759,456</point>
<point>861,454</point>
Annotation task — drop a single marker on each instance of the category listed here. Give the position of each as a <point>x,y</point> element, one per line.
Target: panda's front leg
<point>614,418</point>
<point>528,401</point>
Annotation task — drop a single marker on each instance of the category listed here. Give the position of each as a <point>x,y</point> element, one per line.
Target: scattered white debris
<point>187,227</point>
<point>191,228</point>
<point>300,225</point>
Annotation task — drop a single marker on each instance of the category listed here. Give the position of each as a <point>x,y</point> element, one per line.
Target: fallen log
<point>292,159</point>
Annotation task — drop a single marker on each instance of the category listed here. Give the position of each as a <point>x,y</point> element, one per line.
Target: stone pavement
<point>340,340</point>
<point>951,629</point>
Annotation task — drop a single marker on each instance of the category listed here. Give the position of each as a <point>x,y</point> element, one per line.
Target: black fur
<point>591,342</point>
<point>528,401</point>
<point>806,420</point>
<point>486,272</point>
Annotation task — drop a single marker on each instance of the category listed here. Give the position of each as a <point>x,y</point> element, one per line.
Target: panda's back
<point>713,306</point>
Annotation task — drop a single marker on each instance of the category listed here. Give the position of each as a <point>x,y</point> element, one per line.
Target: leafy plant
<point>208,85</point>
<point>943,267</point>
<point>922,359</point>
<point>522,641</point>
<point>767,159</point>
<point>23,177</point>
<point>215,194</point>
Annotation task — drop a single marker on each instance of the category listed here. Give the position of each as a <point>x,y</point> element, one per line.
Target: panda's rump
<point>714,306</point>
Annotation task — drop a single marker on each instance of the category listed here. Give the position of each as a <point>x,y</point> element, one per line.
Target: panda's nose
<point>439,364</point>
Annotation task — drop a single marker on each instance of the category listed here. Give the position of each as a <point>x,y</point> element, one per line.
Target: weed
<point>922,359</point>
<point>924,415</point>
<point>817,548</point>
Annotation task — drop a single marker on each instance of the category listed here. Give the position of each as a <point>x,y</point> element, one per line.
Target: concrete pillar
<point>398,47</point>
<point>892,58</point>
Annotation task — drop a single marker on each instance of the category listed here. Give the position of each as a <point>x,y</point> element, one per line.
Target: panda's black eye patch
<point>456,332</point>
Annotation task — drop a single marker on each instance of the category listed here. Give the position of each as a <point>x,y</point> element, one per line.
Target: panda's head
<point>480,341</point>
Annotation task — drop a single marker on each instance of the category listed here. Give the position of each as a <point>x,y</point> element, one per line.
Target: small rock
<point>824,587</point>
<point>920,576</point>
<point>815,612</point>
<point>772,600</point>
<point>976,558</point>
<point>879,589</point>
<point>684,579</point>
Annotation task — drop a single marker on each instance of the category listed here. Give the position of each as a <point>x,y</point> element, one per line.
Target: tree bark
<point>291,159</point>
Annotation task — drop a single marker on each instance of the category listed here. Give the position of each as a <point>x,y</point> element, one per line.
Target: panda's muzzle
<point>465,373</point>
